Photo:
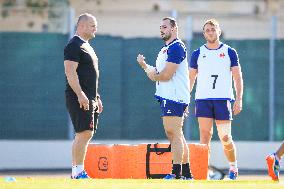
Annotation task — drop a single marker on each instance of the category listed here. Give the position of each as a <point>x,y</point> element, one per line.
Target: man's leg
<point>79,149</point>
<point>173,129</point>
<point>205,130</point>
<point>185,160</point>
<point>273,162</point>
<point>280,151</point>
<point>224,132</point>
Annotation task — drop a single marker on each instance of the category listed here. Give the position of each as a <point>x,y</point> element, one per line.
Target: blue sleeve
<point>194,58</point>
<point>176,53</point>
<point>233,57</point>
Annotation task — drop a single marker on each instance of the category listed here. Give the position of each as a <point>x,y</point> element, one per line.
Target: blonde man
<point>214,65</point>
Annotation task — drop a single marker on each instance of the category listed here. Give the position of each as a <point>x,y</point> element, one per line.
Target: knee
<point>224,132</point>
<point>169,134</point>
<point>85,135</point>
<point>227,140</point>
<point>206,134</point>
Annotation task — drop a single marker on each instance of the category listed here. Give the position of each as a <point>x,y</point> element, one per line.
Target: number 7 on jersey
<point>215,80</point>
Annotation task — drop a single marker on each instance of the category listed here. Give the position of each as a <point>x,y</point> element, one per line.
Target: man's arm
<point>166,74</point>
<point>192,78</point>
<point>238,83</point>
<point>72,78</point>
<point>147,68</point>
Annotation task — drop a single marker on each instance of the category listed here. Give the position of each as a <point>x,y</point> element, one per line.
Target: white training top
<point>214,79</point>
<point>177,88</point>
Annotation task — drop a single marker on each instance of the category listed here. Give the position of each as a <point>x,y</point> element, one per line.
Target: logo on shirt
<point>204,56</point>
<point>169,112</point>
<point>222,55</point>
<point>164,51</point>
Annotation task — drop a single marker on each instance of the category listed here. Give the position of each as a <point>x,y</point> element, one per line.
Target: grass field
<point>64,183</point>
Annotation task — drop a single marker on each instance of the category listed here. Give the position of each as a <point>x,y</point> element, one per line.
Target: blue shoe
<point>170,177</point>
<point>233,174</point>
<point>273,166</point>
<point>82,175</point>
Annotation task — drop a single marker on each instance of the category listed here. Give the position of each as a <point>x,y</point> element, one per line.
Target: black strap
<point>148,161</point>
<point>158,151</point>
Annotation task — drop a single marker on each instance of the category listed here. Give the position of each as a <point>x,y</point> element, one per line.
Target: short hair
<point>212,22</point>
<point>173,21</point>
<point>84,17</point>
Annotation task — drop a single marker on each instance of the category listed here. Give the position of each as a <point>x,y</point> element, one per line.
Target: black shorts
<point>82,120</point>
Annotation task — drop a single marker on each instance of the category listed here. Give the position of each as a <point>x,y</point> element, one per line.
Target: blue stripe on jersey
<point>176,53</point>
<point>214,49</point>
<point>194,58</point>
<point>231,100</point>
<point>233,56</point>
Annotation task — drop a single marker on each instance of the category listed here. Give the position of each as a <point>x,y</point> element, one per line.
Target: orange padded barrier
<point>98,161</point>
<point>198,158</point>
<point>140,161</point>
<point>109,161</point>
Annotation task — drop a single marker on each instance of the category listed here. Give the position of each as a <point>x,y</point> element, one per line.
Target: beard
<point>212,40</point>
<point>166,37</point>
<point>92,35</point>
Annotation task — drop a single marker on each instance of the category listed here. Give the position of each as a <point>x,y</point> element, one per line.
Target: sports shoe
<point>233,174</point>
<point>185,178</point>
<point>82,175</point>
<point>273,166</point>
<point>170,177</point>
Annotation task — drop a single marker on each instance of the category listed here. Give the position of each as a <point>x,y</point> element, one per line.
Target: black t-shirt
<point>80,51</point>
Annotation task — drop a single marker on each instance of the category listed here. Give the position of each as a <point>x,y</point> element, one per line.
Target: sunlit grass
<point>59,183</point>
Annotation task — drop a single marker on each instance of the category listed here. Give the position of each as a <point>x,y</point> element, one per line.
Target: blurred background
<point>33,34</point>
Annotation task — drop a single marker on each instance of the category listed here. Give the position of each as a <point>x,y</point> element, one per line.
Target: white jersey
<point>177,88</point>
<point>214,79</point>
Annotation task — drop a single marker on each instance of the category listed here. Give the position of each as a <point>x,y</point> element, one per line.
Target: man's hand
<point>238,106</point>
<point>100,106</point>
<point>141,61</point>
<point>186,112</point>
<point>83,101</point>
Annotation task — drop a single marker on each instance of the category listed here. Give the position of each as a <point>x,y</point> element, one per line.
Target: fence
<point>32,85</point>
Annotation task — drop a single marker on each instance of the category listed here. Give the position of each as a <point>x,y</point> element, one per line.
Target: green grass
<point>59,183</point>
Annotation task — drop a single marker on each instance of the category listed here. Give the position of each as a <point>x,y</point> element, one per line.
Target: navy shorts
<point>216,109</point>
<point>82,120</point>
<point>170,108</point>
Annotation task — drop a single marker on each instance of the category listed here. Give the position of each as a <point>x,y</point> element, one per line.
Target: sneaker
<point>273,166</point>
<point>170,177</point>
<point>82,175</point>
<point>233,174</point>
<point>185,178</point>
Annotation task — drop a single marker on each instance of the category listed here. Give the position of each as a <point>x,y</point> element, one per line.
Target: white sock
<point>79,169</point>
<point>233,165</point>
<point>76,169</point>
<point>73,170</point>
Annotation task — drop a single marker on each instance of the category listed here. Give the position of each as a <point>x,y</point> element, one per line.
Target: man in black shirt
<point>82,98</point>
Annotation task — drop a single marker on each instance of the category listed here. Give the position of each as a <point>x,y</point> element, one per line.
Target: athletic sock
<point>79,169</point>
<point>186,170</point>
<point>233,165</point>
<point>73,171</point>
<point>176,170</point>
